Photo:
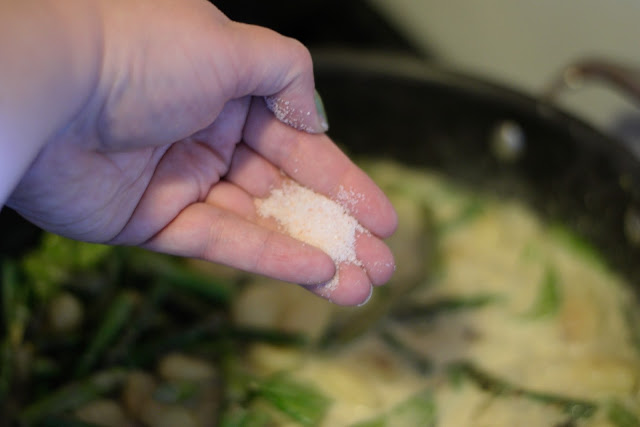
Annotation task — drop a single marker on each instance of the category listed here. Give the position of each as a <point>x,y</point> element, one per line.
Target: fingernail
<point>322,114</point>
<point>368,297</point>
<point>301,119</point>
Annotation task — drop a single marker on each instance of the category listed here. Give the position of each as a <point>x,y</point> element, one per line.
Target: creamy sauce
<point>493,318</point>
<point>529,310</point>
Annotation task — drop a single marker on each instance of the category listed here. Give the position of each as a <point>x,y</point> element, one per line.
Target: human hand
<point>175,142</point>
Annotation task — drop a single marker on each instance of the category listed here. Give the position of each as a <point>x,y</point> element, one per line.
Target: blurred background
<point>521,44</point>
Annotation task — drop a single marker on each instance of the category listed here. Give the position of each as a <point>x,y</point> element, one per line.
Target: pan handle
<point>622,77</point>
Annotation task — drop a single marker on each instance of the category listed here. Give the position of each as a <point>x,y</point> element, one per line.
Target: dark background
<point>322,23</point>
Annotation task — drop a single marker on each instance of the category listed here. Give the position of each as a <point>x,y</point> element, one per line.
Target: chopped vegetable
<point>238,417</point>
<point>204,347</point>
<point>116,318</point>
<point>16,317</point>
<point>578,245</point>
<point>73,395</point>
<point>575,408</point>
<point>15,304</point>
<point>620,416</point>
<point>301,402</point>
<point>469,212</point>
<point>182,277</point>
<point>271,336</point>
<point>58,259</point>
<point>418,410</point>
<point>549,296</point>
<point>207,331</point>
<point>421,363</point>
<point>442,306</point>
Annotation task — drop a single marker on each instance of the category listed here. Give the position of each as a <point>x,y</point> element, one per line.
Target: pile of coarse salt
<point>316,220</point>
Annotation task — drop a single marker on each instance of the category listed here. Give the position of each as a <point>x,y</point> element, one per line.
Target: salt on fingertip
<point>286,113</point>
<point>315,219</point>
<point>349,198</point>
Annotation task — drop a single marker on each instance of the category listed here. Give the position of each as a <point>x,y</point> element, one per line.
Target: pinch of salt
<point>314,219</point>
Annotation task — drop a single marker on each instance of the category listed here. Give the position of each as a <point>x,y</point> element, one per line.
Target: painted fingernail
<point>304,120</point>
<point>322,114</point>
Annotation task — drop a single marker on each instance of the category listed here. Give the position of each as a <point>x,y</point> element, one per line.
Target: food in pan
<point>495,317</point>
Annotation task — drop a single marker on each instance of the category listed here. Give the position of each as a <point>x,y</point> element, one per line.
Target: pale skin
<point>144,122</point>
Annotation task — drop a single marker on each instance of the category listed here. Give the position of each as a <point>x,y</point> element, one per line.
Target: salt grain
<point>316,220</point>
<point>287,114</point>
<point>349,198</point>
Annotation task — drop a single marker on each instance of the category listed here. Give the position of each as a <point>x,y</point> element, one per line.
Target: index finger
<point>316,162</point>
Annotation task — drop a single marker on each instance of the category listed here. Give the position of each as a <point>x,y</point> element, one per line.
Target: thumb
<point>280,69</point>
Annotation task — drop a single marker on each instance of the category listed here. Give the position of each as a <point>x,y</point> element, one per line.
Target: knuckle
<point>301,55</point>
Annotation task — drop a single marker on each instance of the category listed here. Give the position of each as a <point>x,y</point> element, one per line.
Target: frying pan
<point>396,106</point>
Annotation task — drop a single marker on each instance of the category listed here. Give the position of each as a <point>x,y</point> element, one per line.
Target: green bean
<point>455,373</point>
<point>578,245</point>
<point>43,275</point>
<point>549,297</point>
<point>117,316</point>
<point>442,306</point>
<point>300,402</point>
<point>16,316</point>
<point>143,320</point>
<point>417,410</point>
<point>57,260</point>
<point>265,335</point>
<point>421,363</point>
<point>620,416</point>
<point>210,330</point>
<point>241,417</point>
<point>180,276</point>
<point>575,408</point>
<point>469,212</point>
<point>14,303</point>
<point>9,290</point>
<point>72,255</point>
<point>8,300</point>
<point>73,395</point>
